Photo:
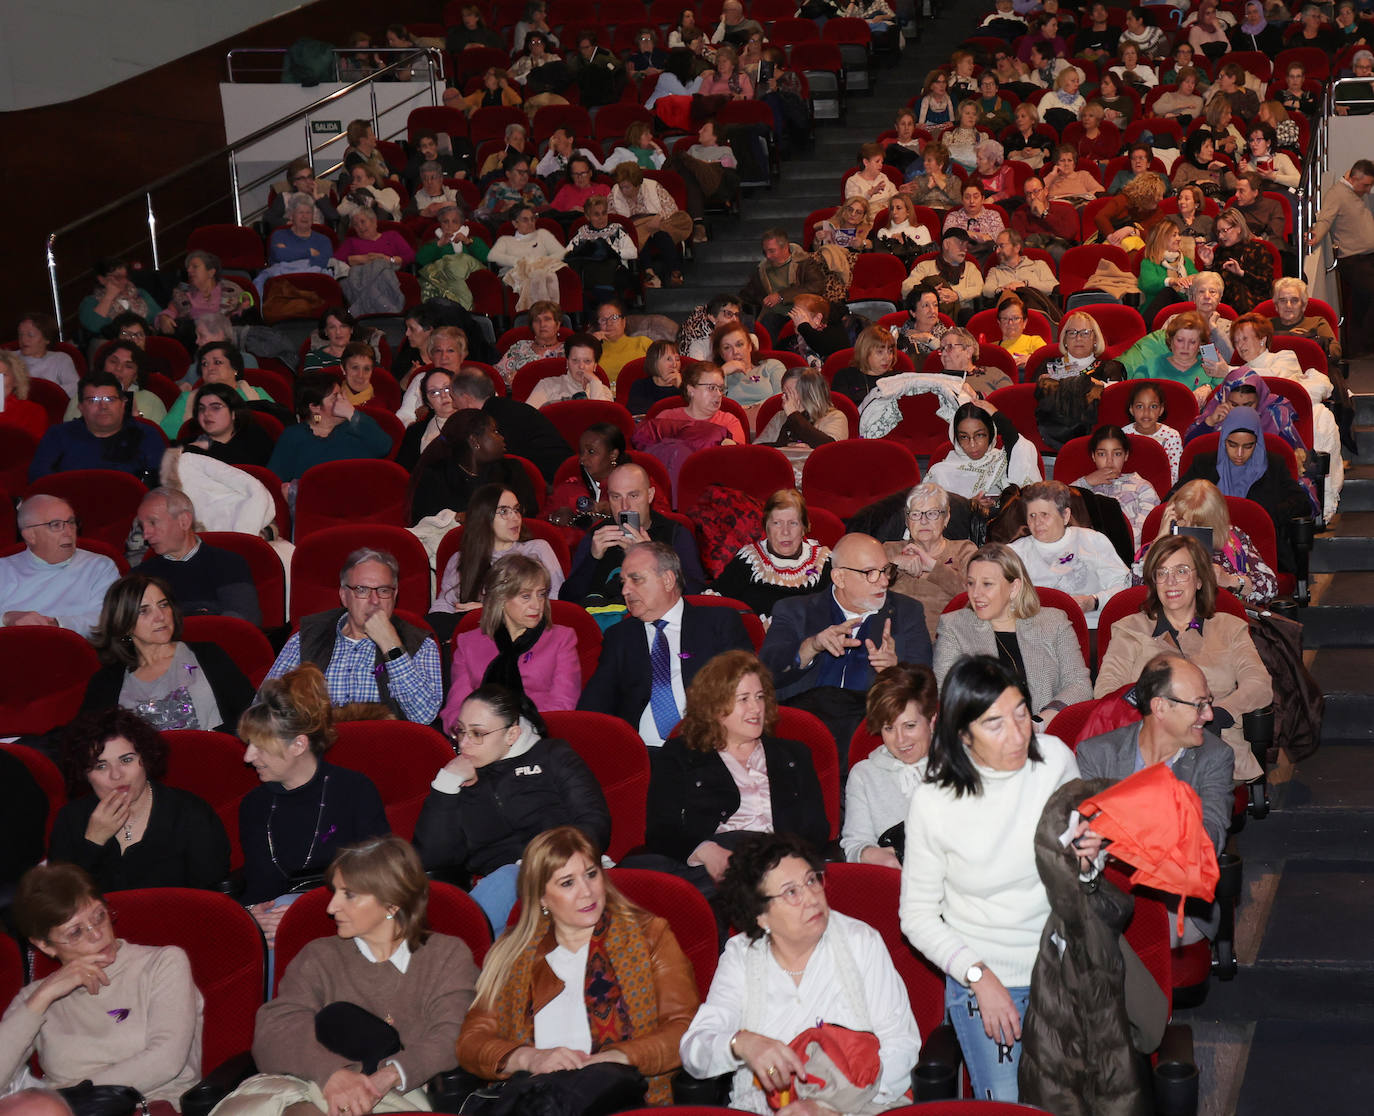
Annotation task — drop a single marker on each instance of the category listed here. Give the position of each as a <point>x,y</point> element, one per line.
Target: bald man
<point>595,576</point>
<point>51,583</point>
<point>825,648</point>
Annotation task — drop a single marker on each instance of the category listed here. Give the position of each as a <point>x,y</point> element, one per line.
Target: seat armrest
<point>1176,1076</point>
<point>201,1097</point>
<point>706,1091</point>
<point>448,1089</point>
<point>936,1076</point>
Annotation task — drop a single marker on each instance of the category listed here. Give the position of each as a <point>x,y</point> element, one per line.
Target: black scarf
<point>504,670</point>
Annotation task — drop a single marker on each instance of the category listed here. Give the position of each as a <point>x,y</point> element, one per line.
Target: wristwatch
<point>394,654</point>
<point>974,975</point>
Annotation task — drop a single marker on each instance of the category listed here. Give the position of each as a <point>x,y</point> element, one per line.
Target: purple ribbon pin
<point>1066,559</point>
<point>118,1014</point>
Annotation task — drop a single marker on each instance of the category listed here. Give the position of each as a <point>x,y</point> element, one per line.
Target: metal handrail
<point>1317,164</point>
<point>339,52</point>
<point>430,56</point>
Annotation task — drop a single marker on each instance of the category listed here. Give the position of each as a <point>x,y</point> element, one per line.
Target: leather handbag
<point>87,1099</point>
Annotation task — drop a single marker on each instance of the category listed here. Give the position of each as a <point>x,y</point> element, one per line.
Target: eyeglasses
<point>509,511</point>
<point>131,335</point>
<point>793,894</point>
<point>1173,573</point>
<point>719,389</point>
<point>460,733</point>
<point>92,928</point>
<point>209,407</point>
<point>362,592</point>
<point>439,392</point>
<point>54,525</point>
<point>1078,333</point>
<point>1198,706</point>
<point>873,574</point>
<point>609,319</point>
<point>929,516</point>
<point>98,399</point>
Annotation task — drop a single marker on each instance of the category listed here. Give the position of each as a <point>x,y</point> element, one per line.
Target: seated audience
<point>149,670</point>
<point>694,335</point>
<point>424,990</point>
<point>106,436</point>
<point>971,893</point>
<point>507,784</point>
<point>662,379</point>
<point>1012,317</point>
<point>204,292</point>
<point>929,567</point>
<point>920,334</point>
<point>546,320</point>
<point>902,703</point>
<point>63,1020</point>
<point>222,426</point>
<point>611,981</point>
<point>468,454</point>
<point>1184,362</point>
<point>661,231</point>
<point>824,649</point>
<point>703,389</point>
<point>953,277</point>
<point>1058,555</point>
<point>1245,265</point>
<point>20,411</point>
<point>204,579</point>
<point>299,246</point>
<point>527,433</point>
<point>1013,271</point>
<point>50,582</point>
<point>219,363</point>
<point>583,354</point>
<point>336,329</point>
<point>780,975</point>
<point>807,418</point>
<point>1005,619</point>
<point>870,182</point>
<point>1066,182</point>
<point>932,181</point>
<point>371,656</point>
<point>1146,408</point>
<point>958,357</point>
<point>1292,320</point>
<point>748,381</point>
<point>784,563</point>
<point>784,272</point>
<point>122,824</point>
<point>576,499</point>
<point>1111,451</point>
<point>649,691</point>
<point>1180,614</point>
<point>977,467</point>
<point>128,364</point>
<point>516,645</point>
<point>330,428</point>
<point>875,358</point>
<point>115,294</point>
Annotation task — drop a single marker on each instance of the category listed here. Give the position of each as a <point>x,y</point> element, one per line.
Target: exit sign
<point>326,127</point>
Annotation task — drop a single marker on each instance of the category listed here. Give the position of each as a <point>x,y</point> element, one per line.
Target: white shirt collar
<point>673,615</point>
<point>855,615</point>
<point>400,956</point>
<point>188,555</point>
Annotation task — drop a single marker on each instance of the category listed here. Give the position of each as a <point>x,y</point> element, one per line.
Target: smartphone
<point>1202,534</point>
<point>1209,353</point>
<point>628,519</point>
<point>766,70</point>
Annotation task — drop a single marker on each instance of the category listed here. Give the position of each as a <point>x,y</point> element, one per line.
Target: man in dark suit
<point>825,649</point>
<point>1177,703</point>
<point>650,658</point>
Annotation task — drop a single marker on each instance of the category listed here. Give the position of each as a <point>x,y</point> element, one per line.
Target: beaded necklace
<point>319,817</point>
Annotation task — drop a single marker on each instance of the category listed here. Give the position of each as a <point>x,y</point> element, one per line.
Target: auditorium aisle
<point>1293,1032</point>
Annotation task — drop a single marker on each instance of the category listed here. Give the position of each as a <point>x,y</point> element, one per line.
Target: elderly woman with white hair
<point>1206,291</point>
<point>993,173</point>
<point>299,244</point>
<point>930,567</point>
<point>1081,349</point>
<point>1291,318</point>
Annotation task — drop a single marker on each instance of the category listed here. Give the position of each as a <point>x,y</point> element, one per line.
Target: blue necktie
<point>661,700</point>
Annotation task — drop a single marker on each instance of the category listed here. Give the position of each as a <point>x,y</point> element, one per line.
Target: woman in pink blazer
<point>516,645</point>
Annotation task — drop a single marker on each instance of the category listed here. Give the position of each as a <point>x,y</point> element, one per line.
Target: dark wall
<point>69,159</point>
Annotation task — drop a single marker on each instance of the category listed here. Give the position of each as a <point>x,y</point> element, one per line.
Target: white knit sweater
<point>970,889</point>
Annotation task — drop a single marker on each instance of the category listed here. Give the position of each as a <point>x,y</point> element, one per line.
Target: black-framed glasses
<point>362,592</point>
<point>55,525</point>
<point>793,894</point>
<point>1197,706</point>
<point>930,515</point>
<point>874,574</point>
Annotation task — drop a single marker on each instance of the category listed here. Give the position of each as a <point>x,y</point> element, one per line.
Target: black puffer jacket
<point>1076,1053</point>
<point>488,824</point>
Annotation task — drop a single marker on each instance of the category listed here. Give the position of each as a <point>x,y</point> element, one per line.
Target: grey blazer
<point>1208,770</point>
<point>1055,670</point>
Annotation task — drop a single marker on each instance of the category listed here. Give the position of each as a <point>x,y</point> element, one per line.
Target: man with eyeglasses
<point>301,181</point>
<point>558,156</point>
<point>368,655</point>
<point>106,436</point>
<point>825,648</point>
<point>1032,280</point>
<point>618,347</point>
<point>1041,223</point>
<point>50,583</point>
<point>1176,701</point>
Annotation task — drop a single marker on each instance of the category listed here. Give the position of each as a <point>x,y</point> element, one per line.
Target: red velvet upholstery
<point>400,757</point>
<point>210,765</point>
<point>758,471</point>
<point>244,642</point>
<point>451,911</point>
<point>105,500</point>
<point>1120,324</point>
<point>862,744</point>
<point>351,492</point>
<point>45,677</point>
<point>268,479</point>
<point>620,762</point>
<point>1167,312</point>
<point>1147,457</point>
<point>573,416</point>
<point>983,325</point>
<point>687,912</point>
<point>269,576</point>
<point>1077,265</point>
<point>237,247</point>
<point>48,777</point>
<point>872,894</point>
<point>1018,403</point>
<point>773,404</point>
<point>318,558</point>
<point>569,615</point>
<point>1180,406</point>
<point>752,624</point>
<point>17,448</point>
<point>223,943</point>
<point>843,477</point>
<point>797,724</point>
<point>536,370</point>
<point>1301,402</point>
<point>1069,722</point>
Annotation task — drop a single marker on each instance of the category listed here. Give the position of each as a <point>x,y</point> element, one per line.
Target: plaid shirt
<point>414,680</point>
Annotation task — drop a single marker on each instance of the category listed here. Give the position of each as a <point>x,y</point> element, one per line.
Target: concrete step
<point>1349,545</point>
<point>1342,613</point>
<point>1343,674</point>
<point>1364,441</point>
<point>1357,494</point>
<point>1364,407</point>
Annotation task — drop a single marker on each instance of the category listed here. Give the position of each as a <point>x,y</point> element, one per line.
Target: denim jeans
<point>495,894</point>
<point>991,1066</point>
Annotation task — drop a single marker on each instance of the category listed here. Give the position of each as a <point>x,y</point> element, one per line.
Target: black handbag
<point>87,1099</point>
<point>596,1090</point>
<point>357,1034</point>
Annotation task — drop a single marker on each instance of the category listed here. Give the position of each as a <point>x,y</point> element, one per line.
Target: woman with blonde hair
<point>849,226</point>
<point>1166,274</point>
<point>875,357</point>
<point>1244,263</point>
<point>338,989</point>
<point>584,976</point>
<point>1236,562</point>
<point>1006,620</point>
